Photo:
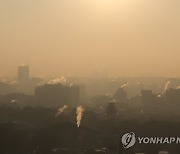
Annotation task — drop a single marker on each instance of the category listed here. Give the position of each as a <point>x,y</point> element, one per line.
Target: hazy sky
<point>126,37</point>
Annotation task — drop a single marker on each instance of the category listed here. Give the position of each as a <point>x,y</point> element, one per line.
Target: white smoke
<point>178,87</point>
<point>79,113</point>
<point>58,80</point>
<point>14,101</point>
<point>167,86</point>
<point>71,84</point>
<point>40,83</point>
<point>159,96</point>
<point>61,110</point>
<point>125,85</point>
<point>108,94</point>
<point>13,82</point>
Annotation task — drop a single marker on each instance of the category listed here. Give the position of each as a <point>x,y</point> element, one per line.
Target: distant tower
<point>23,73</point>
<point>89,63</point>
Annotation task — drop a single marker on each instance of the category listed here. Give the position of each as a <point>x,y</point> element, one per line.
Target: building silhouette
<point>111,110</point>
<point>172,96</point>
<point>120,95</point>
<point>148,98</point>
<point>55,95</point>
<point>17,99</point>
<point>23,73</point>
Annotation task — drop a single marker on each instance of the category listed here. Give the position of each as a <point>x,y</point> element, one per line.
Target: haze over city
<point>89,77</point>
<point>125,37</point>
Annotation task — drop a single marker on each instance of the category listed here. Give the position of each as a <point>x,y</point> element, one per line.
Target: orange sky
<point>126,37</point>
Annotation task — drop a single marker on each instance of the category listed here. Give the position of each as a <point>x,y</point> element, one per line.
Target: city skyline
<point>89,77</point>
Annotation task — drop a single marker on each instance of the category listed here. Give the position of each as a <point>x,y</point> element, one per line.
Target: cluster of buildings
<point>28,92</point>
<point>54,95</point>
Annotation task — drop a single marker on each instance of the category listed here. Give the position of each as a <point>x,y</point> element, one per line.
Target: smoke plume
<point>61,110</point>
<point>79,113</point>
<point>14,101</point>
<point>58,80</point>
<point>159,96</point>
<point>125,85</point>
<point>178,87</point>
<point>167,86</point>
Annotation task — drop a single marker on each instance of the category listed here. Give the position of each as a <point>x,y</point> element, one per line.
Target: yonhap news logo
<point>130,139</point>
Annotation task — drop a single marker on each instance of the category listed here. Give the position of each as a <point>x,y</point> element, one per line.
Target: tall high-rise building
<point>23,73</point>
